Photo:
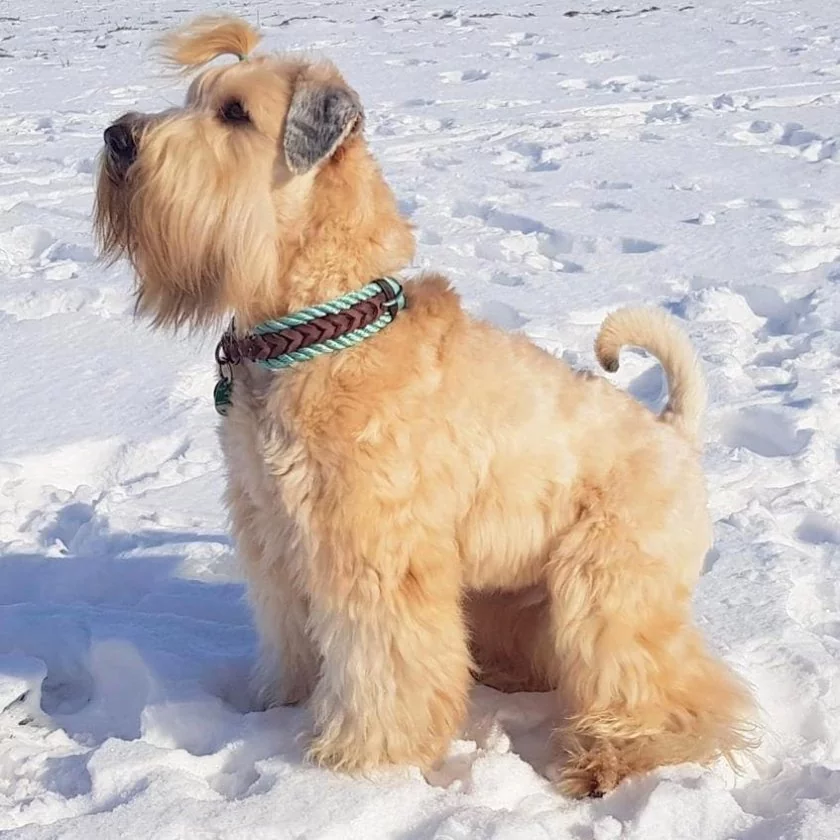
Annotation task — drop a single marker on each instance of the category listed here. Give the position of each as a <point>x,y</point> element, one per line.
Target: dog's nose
<point>120,141</point>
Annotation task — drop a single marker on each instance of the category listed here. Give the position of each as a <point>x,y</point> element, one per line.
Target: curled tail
<point>657,332</point>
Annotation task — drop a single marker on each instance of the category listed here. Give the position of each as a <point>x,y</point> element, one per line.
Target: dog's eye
<point>233,111</point>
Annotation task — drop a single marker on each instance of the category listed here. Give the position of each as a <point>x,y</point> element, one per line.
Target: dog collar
<point>315,331</point>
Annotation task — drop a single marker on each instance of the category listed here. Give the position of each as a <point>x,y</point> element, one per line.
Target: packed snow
<point>559,159</point>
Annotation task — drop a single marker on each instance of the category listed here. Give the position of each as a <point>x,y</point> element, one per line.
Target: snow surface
<point>559,159</point>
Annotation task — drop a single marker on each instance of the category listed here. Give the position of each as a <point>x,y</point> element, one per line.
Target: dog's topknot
<point>207,37</point>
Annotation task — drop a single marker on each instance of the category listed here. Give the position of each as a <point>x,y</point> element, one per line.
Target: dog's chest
<point>267,464</point>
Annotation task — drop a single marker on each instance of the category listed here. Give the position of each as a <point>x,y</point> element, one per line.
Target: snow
<point>559,160</point>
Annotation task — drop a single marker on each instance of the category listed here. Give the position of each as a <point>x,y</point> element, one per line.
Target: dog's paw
<point>593,773</point>
<point>269,693</point>
<point>578,782</point>
<point>361,749</point>
<point>341,756</point>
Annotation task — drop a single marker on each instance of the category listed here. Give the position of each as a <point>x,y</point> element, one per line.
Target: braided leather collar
<point>340,323</point>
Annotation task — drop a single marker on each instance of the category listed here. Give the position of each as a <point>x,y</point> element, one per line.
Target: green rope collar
<point>279,343</point>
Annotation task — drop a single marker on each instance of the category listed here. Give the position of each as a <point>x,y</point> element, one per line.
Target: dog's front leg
<point>287,665</point>
<point>395,665</point>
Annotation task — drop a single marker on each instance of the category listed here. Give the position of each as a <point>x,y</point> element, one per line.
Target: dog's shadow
<point>129,645</point>
<point>119,620</point>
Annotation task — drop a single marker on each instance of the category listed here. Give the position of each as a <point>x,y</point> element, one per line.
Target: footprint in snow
<point>790,138</point>
<point>630,245</point>
<point>531,157</point>
<point>605,206</point>
<point>451,76</point>
<point>817,529</point>
<point>599,56</point>
<point>23,243</point>
<point>784,317</point>
<point>419,103</point>
<point>500,278</point>
<point>612,185</point>
<point>618,84</point>
<point>670,112</point>
<point>765,432</point>
<point>502,315</point>
<point>521,39</point>
<point>21,680</point>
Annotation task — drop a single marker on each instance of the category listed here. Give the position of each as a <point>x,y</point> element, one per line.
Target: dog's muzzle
<point>121,145</point>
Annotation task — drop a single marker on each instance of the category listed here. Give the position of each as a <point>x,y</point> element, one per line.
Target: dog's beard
<point>194,217</point>
<point>110,209</point>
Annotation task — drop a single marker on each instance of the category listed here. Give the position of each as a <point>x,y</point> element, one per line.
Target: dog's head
<point>239,200</point>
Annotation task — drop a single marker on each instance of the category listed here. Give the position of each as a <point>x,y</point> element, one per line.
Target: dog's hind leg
<point>638,686</point>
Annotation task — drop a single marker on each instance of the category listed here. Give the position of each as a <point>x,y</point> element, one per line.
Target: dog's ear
<point>320,118</point>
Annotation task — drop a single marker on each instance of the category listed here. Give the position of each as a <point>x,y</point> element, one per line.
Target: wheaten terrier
<point>415,495</point>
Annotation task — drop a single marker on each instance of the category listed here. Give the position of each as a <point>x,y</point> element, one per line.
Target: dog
<point>437,500</point>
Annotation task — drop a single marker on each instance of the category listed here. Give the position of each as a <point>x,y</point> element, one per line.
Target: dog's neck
<point>351,233</point>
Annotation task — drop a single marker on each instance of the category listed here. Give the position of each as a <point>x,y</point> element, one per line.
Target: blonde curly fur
<point>206,38</point>
<point>445,497</point>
